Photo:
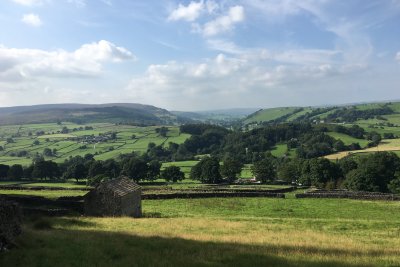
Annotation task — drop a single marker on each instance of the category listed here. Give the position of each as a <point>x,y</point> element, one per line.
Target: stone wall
<point>212,194</point>
<point>350,195</point>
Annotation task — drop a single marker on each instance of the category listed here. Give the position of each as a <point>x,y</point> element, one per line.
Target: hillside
<point>216,116</point>
<point>127,113</point>
<point>266,115</point>
<point>370,114</point>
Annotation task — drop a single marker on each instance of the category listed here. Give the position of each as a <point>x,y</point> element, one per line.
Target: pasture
<point>347,139</point>
<point>269,114</point>
<point>219,232</point>
<point>20,144</point>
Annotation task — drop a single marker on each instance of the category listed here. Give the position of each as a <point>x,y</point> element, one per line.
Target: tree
<point>162,131</point>
<point>394,185</point>
<point>28,171</point>
<point>360,180</point>
<point>45,169</point>
<point>36,142</point>
<point>172,173</point>
<point>319,171</point>
<point>76,170</point>
<point>65,130</point>
<point>290,170</point>
<point>111,168</point>
<point>15,172</point>
<point>153,171</point>
<point>339,145</point>
<point>374,172</point>
<point>135,169</point>
<point>95,168</point>
<point>264,170</point>
<point>231,169</point>
<point>4,171</point>
<point>47,152</point>
<point>347,164</point>
<point>207,171</point>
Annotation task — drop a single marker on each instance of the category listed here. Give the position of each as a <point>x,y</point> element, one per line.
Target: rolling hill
<point>127,113</point>
<point>216,116</point>
<point>369,114</point>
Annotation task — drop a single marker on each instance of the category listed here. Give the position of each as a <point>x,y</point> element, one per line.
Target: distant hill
<point>216,115</point>
<point>342,113</point>
<point>129,113</point>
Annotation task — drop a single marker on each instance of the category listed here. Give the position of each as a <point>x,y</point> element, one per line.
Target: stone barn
<point>118,197</point>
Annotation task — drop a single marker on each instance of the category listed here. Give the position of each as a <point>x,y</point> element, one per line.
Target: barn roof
<point>120,186</point>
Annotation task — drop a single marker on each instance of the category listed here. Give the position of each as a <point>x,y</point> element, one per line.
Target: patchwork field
<point>21,143</point>
<point>219,232</point>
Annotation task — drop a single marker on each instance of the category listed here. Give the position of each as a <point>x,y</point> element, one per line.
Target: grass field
<point>298,114</point>
<point>269,114</point>
<point>25,140</point>
<point>347,139</point>
<point>51,194</point>
<point>385,145</point>
<point>220,232</point>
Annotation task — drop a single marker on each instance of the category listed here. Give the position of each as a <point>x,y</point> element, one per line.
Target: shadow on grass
<point>54,247</point>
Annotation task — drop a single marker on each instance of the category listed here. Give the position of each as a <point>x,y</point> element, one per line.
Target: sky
<point>201,54</point>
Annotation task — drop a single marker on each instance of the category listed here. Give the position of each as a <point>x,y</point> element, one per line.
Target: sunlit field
<point>220,232</point>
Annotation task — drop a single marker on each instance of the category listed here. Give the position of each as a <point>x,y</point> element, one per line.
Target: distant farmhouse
<point>118,197</point>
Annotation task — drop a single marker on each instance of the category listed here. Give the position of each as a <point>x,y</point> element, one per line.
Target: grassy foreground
<point>220,232</point>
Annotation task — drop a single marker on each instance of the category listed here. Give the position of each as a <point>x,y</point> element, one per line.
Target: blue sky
<point>199,55</point>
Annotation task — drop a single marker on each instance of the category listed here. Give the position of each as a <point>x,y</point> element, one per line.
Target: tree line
<point>138,168</point>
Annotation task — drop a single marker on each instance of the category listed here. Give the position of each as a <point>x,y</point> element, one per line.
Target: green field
<point>26,141</point>
<point>298,114</point>
<point>280,150</point>
<point>347,139</point>
<point>219,232</point>
<point>52,194</point>
<point>269,114</point>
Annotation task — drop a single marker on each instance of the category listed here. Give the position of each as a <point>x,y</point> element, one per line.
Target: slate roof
<point>121,186</point>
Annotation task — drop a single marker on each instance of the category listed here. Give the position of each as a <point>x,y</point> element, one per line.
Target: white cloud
<point>254,76</point>
<point>398,56</point>
<point>189,13</point>
<point>224,46</point>
<point>29,2</point>
<point>27,64</point>
<point>224,23</point>
<point>218,20</point>
<point>32,20</point>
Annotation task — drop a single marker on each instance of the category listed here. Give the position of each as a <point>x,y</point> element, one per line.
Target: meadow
<point>348,140</point>
<point>219,232</point>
